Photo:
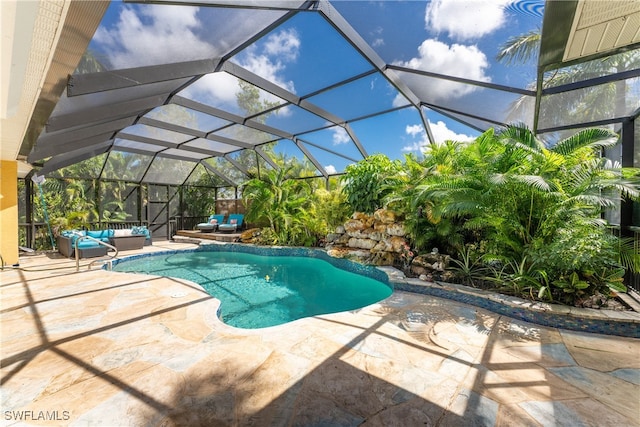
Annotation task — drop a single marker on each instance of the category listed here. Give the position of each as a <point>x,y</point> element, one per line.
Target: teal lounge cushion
<point>83,244</point>
<point>100,234</point>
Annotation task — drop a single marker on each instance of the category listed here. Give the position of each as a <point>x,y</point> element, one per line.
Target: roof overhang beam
<point>603,32</point>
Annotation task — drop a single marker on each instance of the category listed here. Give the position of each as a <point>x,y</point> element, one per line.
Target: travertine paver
<point>112,349</point>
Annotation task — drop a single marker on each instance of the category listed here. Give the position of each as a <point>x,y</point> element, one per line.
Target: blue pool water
<point>257,291</point>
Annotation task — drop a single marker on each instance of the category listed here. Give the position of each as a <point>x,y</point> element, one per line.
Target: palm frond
<point>593,138</point>
<point>629,255</point>
<point>535,181</point>
<point>521,135</point>
<point>519,49</point>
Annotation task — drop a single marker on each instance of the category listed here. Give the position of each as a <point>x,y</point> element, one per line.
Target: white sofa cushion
<point>122,233</point>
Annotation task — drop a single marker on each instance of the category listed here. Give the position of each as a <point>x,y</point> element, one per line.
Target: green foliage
<point>521,278</point>
<point>284,205</point>
<point>199,200</point>
<point>571,284</point>
<point>368,182</point>
<point>331,208</point>
<point>469,266</point>
<point>533,211</point>
<point>248,98</point>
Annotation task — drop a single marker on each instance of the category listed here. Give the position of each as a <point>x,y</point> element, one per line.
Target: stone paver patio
<point>116,349</point>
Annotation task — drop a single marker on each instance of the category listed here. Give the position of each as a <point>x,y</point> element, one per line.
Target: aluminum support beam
<point>235,4</point>
<point>442,110</point>
<point>278,91</point>
<point>335,153</point>
<point>172,127</point>
<point>73,157</point>
<point>355,140</point>
<point>203,108</point>
<point>268,129</point>
<point>229,141</point>
<point>312,159</point>
<point>256,80</point>
<point>68,135</point>
<point>104,113</point>
<point>209,153</point>
<point>463,80</point>
<point>134,150</point>
<point>219,174</point>
<point>624,75</point>
<point>237,164</point>
<point>48,150</point>
<point>266,158</point>
<point>427,128</point>
<point>178,157</point>
<point>147,140</point>
<point>81,84</point>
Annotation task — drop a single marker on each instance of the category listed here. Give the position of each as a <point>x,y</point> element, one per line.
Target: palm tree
<point>281,202</point>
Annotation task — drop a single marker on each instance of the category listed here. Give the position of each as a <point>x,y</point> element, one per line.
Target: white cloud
<point>440,133</point>
<point>465,19</point>
<point>413,130</point>
<point>285,44</point>
<point>150,35</point>
<point>219,88</point>
<point>279,48</point>
<point>340,136</point>
<point>455,60</point>
<point>414,147</point>
<point>268,63</point>
<point>377,42</point>
<point>331,169</point>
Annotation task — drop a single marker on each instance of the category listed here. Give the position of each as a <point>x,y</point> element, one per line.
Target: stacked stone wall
<point>377,239</point>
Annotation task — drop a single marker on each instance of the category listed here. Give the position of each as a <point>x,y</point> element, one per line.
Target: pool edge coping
<point>608,322</point>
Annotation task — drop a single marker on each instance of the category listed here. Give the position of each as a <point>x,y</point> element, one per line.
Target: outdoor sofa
<point>123,240</point>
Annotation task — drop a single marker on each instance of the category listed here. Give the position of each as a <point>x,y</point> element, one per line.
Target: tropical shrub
<point>330,208</point>
<point>283,206</point>
<point>368,182</point>
<point>532,213</point>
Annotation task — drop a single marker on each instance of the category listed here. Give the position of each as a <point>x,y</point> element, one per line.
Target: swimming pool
<point>260,287</point>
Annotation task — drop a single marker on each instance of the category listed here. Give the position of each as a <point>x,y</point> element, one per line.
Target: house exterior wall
<point>9,212</point>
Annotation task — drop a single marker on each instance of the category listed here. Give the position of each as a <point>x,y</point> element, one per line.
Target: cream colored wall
<point>9,212</point>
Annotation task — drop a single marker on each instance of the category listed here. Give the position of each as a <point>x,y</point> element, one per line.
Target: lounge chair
<point>233,224</point>
<point>211,224</point>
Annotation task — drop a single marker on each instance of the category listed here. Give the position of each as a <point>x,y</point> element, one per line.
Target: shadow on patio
<point>118,349</point>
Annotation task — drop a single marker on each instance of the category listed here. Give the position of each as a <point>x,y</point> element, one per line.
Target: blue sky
<point>454,37</point>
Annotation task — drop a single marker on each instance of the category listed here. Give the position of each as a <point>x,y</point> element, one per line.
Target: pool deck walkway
<point>114,349</point>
